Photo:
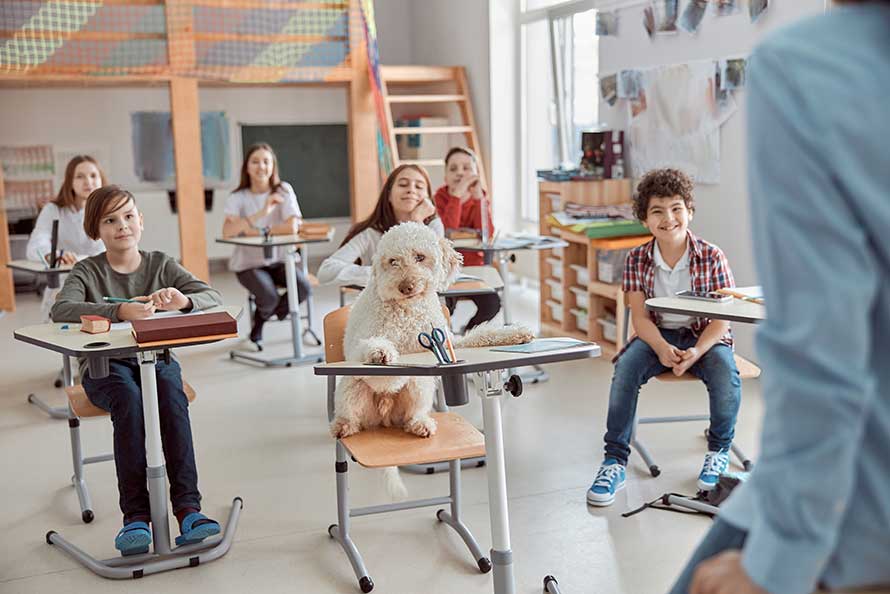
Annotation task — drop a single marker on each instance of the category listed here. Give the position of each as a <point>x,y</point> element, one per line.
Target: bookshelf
<point>570,275</point>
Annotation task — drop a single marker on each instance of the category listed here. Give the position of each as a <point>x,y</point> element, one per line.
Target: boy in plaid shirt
<point>675,260</point>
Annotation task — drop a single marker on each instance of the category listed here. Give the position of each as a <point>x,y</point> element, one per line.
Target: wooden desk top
<point>38,267</point>
<point>469,361</point>
<point>734,311</point>
<point>275,240</point>
<point>114,343</point>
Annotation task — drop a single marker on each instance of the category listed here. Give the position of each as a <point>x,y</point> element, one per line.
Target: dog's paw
<point>382,355</point>
<point>341,428</point>
<point>522,334</point>
<point>425,427</point>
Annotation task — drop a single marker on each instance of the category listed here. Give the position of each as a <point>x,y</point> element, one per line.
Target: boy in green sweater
<point>157,283</point>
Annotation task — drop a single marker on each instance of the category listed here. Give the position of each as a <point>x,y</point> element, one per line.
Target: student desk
<point>99,348</point>
<point>735,311</point>
<point>293,244</point>
<point>489,283</point>
<point>484,366</point>
<point>53,281</point>
<point>499,252</point>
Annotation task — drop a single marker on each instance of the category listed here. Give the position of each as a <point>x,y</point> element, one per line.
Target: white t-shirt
<point>340,267</point>
<point>670,281</point>
<point>72,237</point>
<point>244,203</point>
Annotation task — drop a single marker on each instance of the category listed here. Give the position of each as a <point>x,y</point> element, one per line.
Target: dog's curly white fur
<point>409,268</point>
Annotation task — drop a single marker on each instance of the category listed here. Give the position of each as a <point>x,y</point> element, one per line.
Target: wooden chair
<point>747,370</point>
<point>80,407</point>
<point>387,446</point>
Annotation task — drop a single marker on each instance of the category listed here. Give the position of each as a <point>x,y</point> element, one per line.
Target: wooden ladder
<point>426,83</point>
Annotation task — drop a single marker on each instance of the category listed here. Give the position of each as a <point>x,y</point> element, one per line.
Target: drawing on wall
<point>675,122</point>
<point>606,23</point>
<point>732,74</point>
<point>609,88</point>
<point>725,7</point>
<point>660,17</point>
<point>693,15</point>
<point>630,83</point>
<point>756,8</point>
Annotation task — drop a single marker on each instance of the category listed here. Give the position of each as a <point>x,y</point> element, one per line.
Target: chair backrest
<point>335,328</point>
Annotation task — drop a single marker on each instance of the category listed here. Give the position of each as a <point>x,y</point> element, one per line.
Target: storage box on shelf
<point>577,301</point>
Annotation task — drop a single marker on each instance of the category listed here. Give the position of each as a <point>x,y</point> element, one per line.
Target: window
<point>559,66</point>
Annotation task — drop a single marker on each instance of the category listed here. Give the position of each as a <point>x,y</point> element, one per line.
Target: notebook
<point>542,345</point>
<point>185,326</point>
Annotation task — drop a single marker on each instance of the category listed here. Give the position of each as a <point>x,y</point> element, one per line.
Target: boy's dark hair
<point>462,149</point>
<point>101,202</point>
<point>662,183</point>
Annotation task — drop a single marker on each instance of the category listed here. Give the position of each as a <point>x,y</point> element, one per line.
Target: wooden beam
<point>425,98</point>
<point>185,113</point>
<point>267,37</point>
<point>7,287</point>
<point>409,74</point>
<point>364,176</point>
<point>408,130</point>
<point>79,35</point>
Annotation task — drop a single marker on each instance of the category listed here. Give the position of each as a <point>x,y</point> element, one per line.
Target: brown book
<point>187,326</point>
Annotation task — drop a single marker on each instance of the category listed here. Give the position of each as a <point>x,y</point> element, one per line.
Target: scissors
<point>435,342</point>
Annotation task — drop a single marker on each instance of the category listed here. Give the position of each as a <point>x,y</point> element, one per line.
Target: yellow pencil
<point>741,296</point>
<point>450,348</point>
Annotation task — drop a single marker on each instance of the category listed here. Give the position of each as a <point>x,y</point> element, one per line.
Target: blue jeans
<point>639,363</point>
<point>121,395</point>
<point>722,536</point>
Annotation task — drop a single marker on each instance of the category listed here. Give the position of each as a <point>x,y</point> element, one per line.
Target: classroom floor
<point>262,435</point>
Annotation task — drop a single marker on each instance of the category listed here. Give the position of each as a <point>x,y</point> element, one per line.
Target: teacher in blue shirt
<point>816,510</point>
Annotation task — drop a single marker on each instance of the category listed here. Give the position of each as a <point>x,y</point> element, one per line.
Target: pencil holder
<point>455,387</point>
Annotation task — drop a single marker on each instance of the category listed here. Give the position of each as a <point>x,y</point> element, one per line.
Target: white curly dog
<point>410,266</point>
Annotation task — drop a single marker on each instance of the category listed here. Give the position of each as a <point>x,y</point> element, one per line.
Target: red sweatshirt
<point>468,215</point>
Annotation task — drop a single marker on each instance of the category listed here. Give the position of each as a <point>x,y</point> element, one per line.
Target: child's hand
<point>463,188</point>
<point>669,355</point>
<point>169,299</point>
<point>476,189</point>
<point>68,259</point>
<point>136,311</point>
<point>272,201</point>
<point>688,359</point>
<point>422,211</point>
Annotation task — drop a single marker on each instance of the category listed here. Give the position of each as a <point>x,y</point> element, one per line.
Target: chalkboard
<point>313,159</point>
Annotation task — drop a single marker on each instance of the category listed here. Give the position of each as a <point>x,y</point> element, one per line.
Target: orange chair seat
<point>83,408</point>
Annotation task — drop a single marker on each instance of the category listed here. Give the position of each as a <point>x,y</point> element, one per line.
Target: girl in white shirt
<point>406,196</point>
<point>82,176</point>
<point>263,203</point>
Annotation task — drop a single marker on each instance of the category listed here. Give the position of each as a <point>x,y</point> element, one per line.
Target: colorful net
<point>233,40</point>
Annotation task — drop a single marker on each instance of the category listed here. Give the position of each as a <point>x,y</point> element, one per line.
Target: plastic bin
<point>582,274</point>
<point>555,288</point>
<point>610,265</point>
<point>581,318</point>
<point>555,267</point>
<point>610,330</point>
<point>555,309</point>
<point>581,297</point>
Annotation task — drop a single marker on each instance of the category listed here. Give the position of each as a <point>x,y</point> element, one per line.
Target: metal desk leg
<point>529,376</point>
<point>489,390</point>
<point>304,262</point>
<point>298,358</point>
<point>55,412</point>
<point>163,558</point>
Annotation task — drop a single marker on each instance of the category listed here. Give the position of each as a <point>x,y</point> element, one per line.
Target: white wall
<point>721,210</point>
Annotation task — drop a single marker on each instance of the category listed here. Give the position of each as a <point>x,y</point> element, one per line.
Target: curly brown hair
<point>662,183</point>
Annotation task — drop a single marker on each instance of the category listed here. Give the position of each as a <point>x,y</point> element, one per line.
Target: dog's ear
<point>451,262</point>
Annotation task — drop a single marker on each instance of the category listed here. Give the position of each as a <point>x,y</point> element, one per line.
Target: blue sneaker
<point>609,480</point>
<point>715,464</point>
<point>133,539</point>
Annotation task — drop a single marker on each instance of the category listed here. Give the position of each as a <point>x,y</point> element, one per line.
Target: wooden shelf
<point>408,130</point>
<point>425,98</point>
<point>604,289</point>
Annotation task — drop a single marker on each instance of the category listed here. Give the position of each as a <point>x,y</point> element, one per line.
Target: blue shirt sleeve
<point>820,280</point>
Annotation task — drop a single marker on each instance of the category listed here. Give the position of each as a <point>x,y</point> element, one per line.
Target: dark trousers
<point>487,307</point>
<point>121,395</point>
<point>263,283</point>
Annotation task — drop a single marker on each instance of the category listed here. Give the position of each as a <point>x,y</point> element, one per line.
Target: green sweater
<point>92,278</point>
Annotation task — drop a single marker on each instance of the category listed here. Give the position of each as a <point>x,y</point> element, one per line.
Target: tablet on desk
<point>542,345</point>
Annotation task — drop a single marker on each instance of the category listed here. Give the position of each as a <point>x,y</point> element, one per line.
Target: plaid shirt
<point>708,271</point>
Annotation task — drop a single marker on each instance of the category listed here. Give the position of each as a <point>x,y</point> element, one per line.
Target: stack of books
<point>314,230</point>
